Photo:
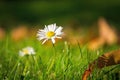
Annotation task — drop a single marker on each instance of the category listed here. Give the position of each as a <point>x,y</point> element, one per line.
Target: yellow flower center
<point>50,34</point>
<point>25,51</point>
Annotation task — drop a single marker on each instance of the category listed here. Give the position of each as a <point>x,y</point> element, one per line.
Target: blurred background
<point>83,17</point>
<point>54,11</point>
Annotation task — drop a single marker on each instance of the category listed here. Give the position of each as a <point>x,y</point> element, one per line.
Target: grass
<point>61,62</point>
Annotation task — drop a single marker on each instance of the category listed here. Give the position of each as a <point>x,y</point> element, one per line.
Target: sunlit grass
<point>61,62</point>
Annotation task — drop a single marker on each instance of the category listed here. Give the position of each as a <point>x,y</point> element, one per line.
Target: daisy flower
<point>26,51</point>
<point>50,32</point>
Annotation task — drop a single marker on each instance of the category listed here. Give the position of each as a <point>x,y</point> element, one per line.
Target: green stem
<point>16,65</point>
<point>79,49</point>
<point>54,50</point>
<point>34,58</point>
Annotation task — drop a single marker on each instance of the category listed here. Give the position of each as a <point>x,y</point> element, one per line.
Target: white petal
<point>40,35</point>
<point>43,31</point>
<point>21,53</point>
<point>58,31</point>
<point>31,50</point>
<point>46,28</point>
<point>53,40</point>
<point>52,27</point>
<point>41,38</point>
<point>58,37</point>
<point>44,41</point>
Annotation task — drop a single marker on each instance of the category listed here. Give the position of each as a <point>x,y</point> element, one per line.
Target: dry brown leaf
<point>107,35</point>
<point>19,33</point>
<point>96,43</point>
<point>107,59</point>
<point>107,32</point>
